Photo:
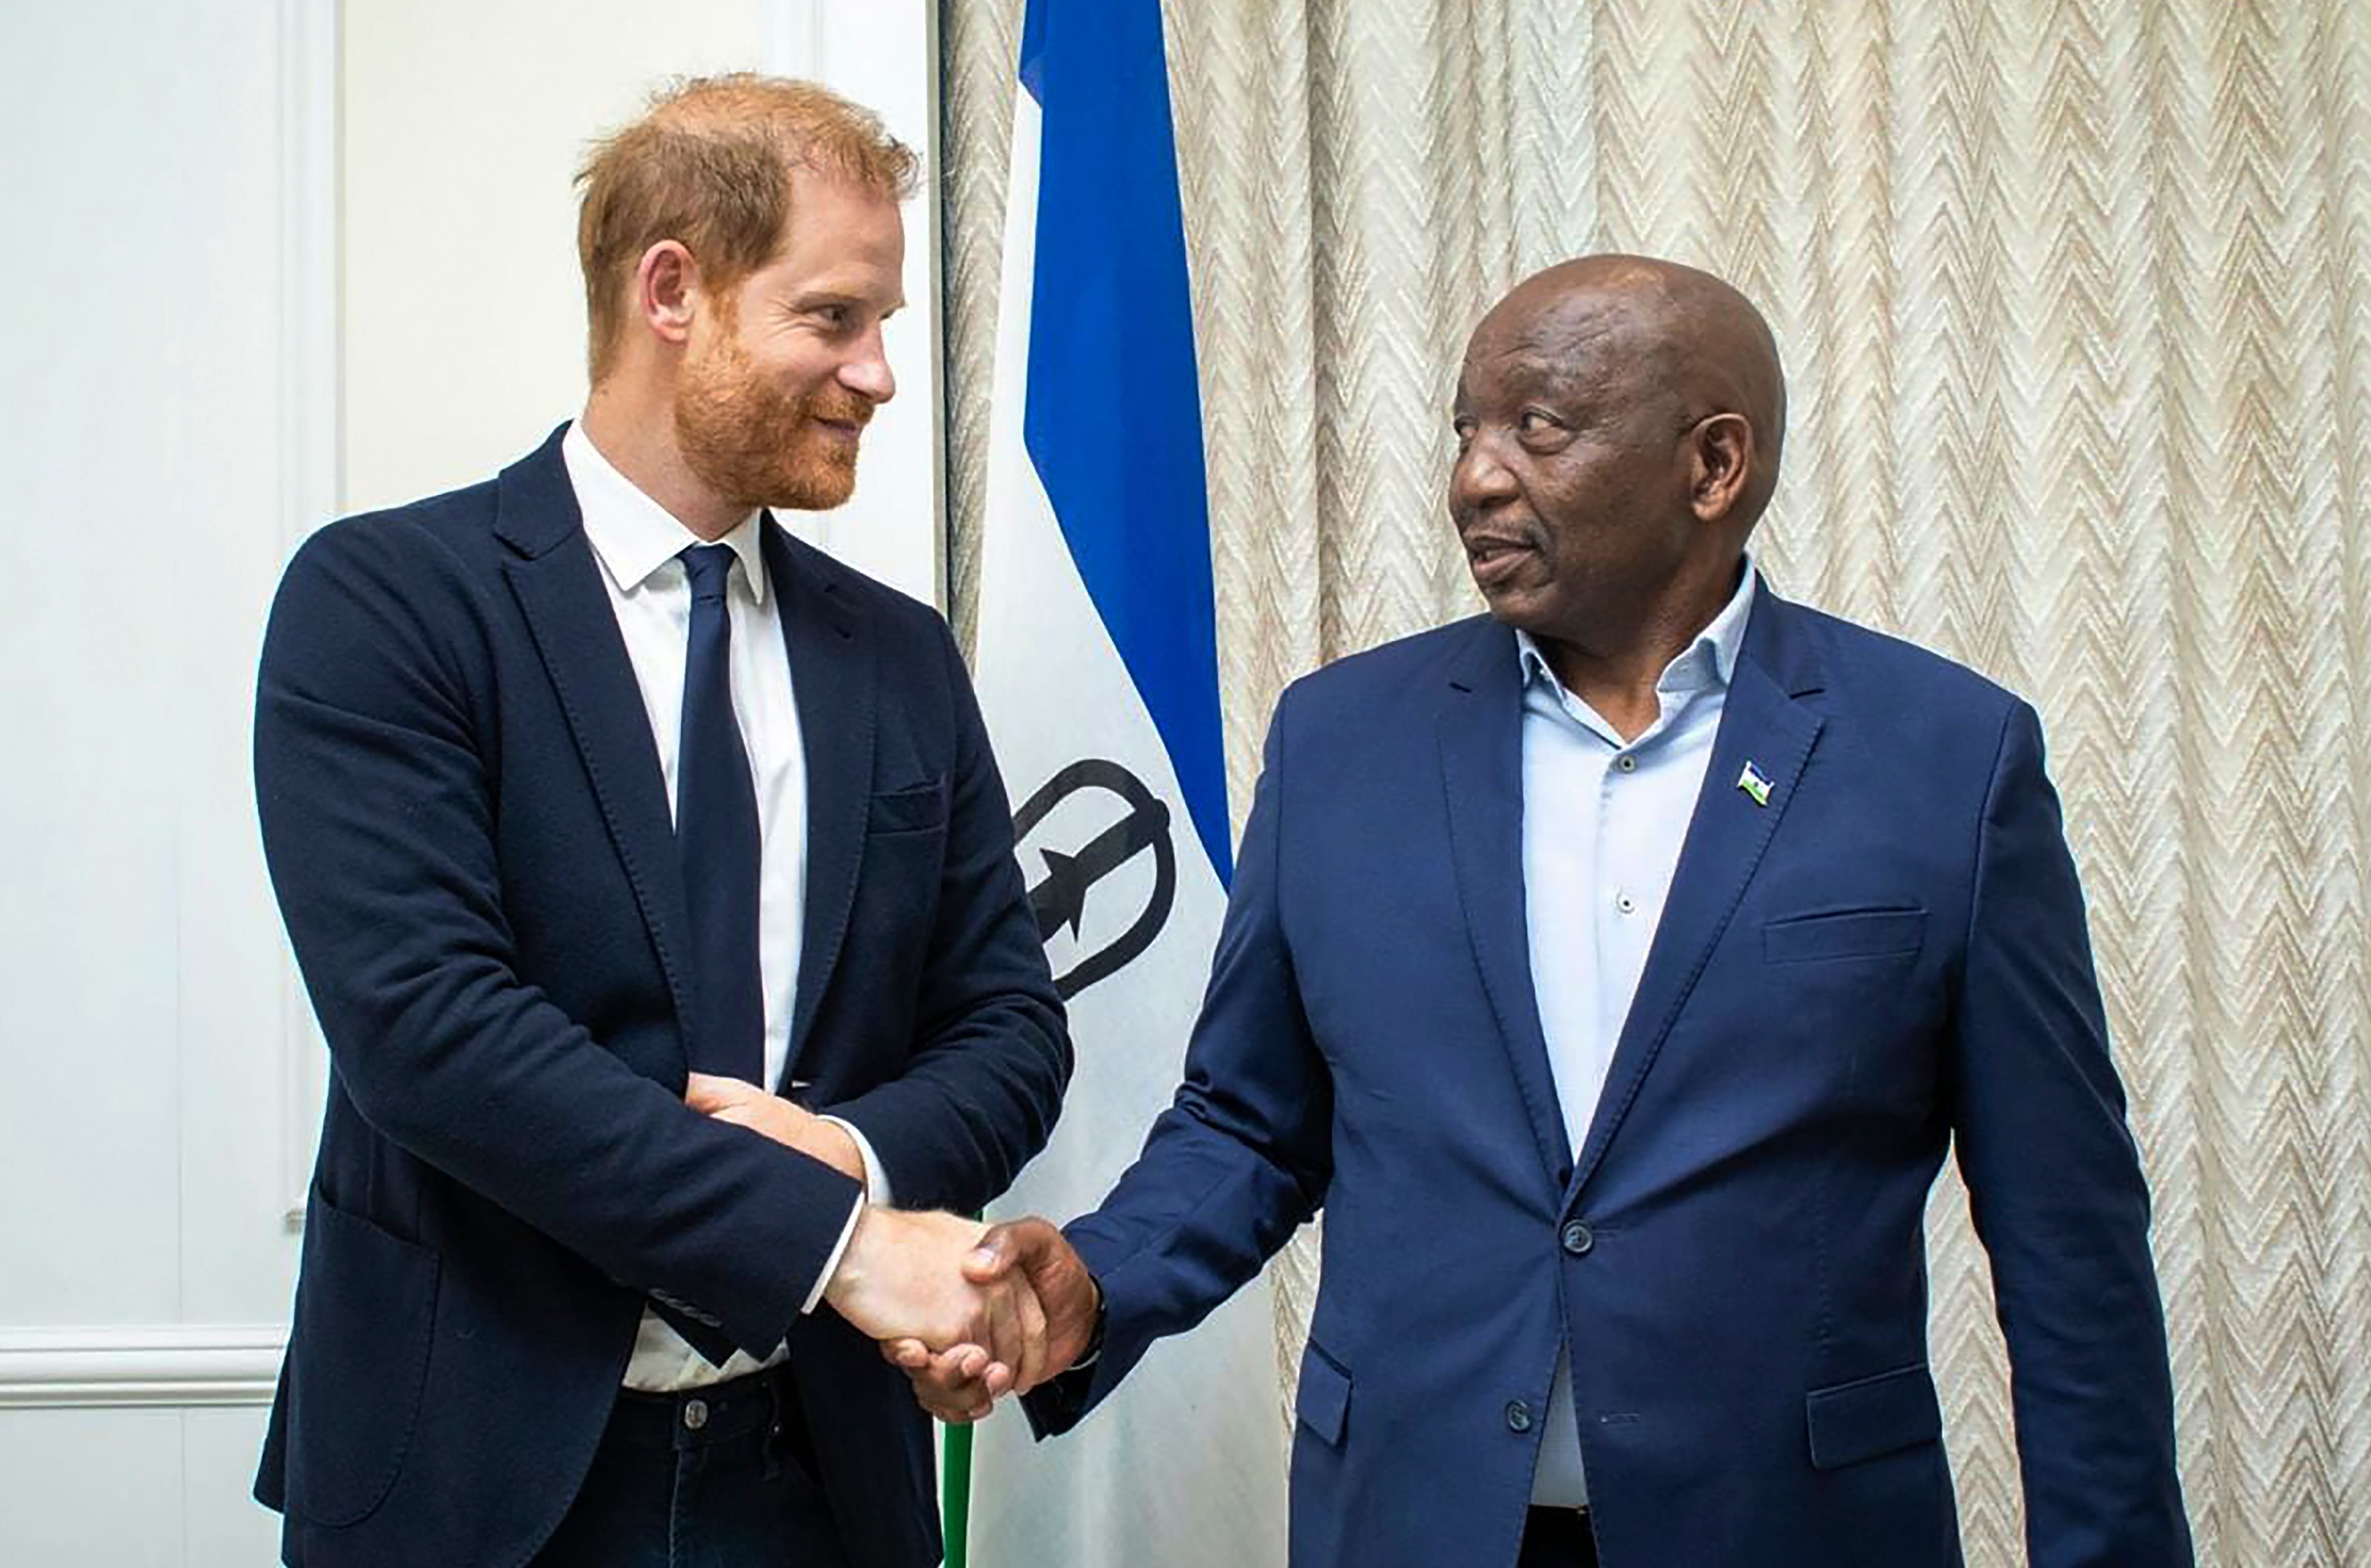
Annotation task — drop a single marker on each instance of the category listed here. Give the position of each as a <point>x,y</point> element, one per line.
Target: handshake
<point>970,1312</point>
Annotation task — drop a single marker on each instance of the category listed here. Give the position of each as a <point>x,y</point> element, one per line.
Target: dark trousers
<point>1557,1537</point>
<point>722,1477</point>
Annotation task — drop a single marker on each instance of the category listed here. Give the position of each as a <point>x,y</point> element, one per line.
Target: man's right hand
<point>958,1383</point>
<point>905,1276</point>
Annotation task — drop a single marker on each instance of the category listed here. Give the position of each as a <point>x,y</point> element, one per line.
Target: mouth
<point>1495,559</point>
<point>846,431</point>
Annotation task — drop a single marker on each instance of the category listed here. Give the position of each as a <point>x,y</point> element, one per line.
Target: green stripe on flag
<point>954,1488</point>
<point>954,1493</point>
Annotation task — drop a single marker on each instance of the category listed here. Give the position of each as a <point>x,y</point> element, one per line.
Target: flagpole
<point>955,1498</point>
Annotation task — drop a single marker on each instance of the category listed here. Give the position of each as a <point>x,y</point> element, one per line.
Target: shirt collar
<point>1709,660</point>
<point>634,535</point>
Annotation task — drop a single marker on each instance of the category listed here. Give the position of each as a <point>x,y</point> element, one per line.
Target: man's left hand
<point>746,1105</point>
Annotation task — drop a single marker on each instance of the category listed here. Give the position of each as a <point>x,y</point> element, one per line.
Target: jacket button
<point>695,1413</point>
<point>1519,1416</point>
<point>1577,1240</point>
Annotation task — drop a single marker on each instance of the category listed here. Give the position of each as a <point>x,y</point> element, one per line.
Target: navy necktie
<point>716,837</point>
<point>716,843</point>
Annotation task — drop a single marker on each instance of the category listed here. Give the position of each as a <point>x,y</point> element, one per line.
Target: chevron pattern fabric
<point>2077,298</point>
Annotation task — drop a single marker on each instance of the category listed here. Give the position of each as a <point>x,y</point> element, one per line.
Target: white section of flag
<point>1184,1465</point>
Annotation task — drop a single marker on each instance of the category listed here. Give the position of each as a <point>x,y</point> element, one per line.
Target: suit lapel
<point>1764,724</point>
<point>1481,769</point>
<point>557,582</point>
<point>833,676</point>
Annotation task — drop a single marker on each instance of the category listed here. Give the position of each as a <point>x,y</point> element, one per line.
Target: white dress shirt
<point>637,542</point>
<point>1603,826</point>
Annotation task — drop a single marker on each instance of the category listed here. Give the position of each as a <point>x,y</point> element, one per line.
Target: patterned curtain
<point>2075,297</point>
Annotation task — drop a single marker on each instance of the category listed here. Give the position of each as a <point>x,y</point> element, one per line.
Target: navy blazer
<point>1886,957</point>
<point>468,834</point>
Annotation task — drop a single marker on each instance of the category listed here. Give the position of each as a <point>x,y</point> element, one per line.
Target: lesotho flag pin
<point>1754,784</point>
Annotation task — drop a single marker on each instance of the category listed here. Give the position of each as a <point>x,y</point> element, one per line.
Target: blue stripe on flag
<point>1115,417</point>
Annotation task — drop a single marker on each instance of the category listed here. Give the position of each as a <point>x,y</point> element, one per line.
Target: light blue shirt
<point>1603,826</point>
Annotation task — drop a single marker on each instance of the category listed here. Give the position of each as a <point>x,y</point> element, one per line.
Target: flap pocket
<point>1849,933</point>
<point>908,809</point>
<point>358,1361</point>
<point>1858,1420</point>
<point>1324,1403</point>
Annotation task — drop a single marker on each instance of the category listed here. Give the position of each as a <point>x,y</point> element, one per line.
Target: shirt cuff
<point>838,1250</point>
<point>1095,1351</point>
<point>876,1180</point>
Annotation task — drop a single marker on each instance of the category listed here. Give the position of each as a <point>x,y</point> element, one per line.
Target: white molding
<point>309,480</point>
<point>311,485</point>
<point>104,1368</point>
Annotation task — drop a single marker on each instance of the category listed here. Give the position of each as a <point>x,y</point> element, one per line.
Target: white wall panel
<point>222,1525</point>
<point>162,330</point>
<point>274,259</point>
<point>96,1489</point>
<point>143,308</point>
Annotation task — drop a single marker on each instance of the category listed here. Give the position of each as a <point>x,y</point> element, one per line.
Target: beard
<point>755,444</point>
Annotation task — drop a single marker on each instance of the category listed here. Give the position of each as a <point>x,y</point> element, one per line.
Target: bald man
<point>1615,970</point>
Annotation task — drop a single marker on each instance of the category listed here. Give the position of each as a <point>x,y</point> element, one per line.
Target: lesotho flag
<point>1098,670</point>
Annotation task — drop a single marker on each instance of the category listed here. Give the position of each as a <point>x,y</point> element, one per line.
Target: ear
<point>1720,452</point>
<point>666,291</point>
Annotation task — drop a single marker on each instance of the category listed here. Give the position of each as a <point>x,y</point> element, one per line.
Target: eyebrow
<point>824,299</point>
<point>1533,380</point>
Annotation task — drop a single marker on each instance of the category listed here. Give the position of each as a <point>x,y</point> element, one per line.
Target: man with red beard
<point>654,886</point>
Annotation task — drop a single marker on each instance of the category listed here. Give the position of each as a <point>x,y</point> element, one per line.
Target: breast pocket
<point>1844,933</point>
<point>917,808</point>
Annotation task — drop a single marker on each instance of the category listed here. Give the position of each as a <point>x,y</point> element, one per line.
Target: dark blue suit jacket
<point>1888,957</point>
<point>469,833</point>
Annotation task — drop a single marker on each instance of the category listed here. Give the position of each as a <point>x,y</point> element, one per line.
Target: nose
<point>1478,479</point>
<point>866,370</point>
